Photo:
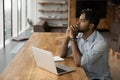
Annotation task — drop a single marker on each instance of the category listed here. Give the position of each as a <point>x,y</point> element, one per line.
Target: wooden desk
<point>23,66</point>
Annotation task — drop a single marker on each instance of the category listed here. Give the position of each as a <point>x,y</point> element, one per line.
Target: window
<point>1,23</point>
<point>19,26</point>
<point>13,14</point>
<point>8,19</point>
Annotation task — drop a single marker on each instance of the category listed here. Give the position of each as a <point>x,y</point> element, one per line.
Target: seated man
<point>89,49</point>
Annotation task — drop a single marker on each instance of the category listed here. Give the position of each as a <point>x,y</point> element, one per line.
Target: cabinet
<point>55,12</point>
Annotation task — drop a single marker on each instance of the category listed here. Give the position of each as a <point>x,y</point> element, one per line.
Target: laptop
<point>44,59</point>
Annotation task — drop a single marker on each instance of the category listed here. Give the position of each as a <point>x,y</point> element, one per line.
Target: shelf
<point>55,3</point>
<point>50,18</point>
<point>55,10</point>
<point>58,26</point>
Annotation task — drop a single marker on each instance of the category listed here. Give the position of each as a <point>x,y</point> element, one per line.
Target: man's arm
<point>76,53</point>
<point>75,50</point>
<point>64,47</point>
<point>70,33</point>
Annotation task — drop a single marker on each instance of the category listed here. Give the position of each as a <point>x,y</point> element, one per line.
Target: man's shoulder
<point>100,39</point>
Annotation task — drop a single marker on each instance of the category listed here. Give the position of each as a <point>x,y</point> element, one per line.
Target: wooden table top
<point>23,66</point>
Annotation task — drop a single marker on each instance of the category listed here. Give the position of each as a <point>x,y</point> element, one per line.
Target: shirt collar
<point>90,38</point>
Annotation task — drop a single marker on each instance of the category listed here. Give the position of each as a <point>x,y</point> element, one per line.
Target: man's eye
<point>82,20</point>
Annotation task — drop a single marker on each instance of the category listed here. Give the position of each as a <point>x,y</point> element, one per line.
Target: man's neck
<point>87,34</point>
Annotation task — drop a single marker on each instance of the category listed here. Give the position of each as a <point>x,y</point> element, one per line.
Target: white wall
<point>1,23</point>
<point>34,10</point>
<point>31,10</point>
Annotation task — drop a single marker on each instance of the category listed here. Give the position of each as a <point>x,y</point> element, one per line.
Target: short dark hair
<point>92,16</point>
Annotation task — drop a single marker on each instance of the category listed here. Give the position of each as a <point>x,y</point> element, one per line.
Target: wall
<point>33,9</point>
<point>104,23</point>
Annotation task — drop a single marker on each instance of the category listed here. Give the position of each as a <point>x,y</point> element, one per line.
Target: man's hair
<point>92,16</point>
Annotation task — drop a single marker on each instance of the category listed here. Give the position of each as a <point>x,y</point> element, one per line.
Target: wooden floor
<point>114,62</point>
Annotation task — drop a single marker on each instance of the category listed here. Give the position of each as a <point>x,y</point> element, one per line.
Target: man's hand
<point>73,31</point>
<point>68,33</point>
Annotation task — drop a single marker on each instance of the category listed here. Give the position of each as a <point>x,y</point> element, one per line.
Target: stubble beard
<point>83,31</point>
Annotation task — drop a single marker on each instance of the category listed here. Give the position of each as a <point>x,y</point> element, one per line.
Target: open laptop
<point>44,59</point>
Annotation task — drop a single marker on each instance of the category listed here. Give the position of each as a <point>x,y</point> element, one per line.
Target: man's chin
<point>83,31</point>
<point>80,31</point>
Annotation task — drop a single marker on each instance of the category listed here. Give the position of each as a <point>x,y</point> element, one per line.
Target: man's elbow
<point>77,64</point>
<point>63,56</point>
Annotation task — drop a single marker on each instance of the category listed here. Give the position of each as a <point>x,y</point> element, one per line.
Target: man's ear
<point>91,26</point>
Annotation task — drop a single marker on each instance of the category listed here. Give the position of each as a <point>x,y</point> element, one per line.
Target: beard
<point>83,30</point>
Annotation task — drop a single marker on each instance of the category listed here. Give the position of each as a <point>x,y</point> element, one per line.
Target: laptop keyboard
<point>60,70</point>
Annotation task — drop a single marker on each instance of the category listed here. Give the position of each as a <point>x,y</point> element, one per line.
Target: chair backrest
<point>41,26</point>
<point>115,29</point>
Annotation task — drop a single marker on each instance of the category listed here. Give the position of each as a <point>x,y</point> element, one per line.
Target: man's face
<point>83,24</point>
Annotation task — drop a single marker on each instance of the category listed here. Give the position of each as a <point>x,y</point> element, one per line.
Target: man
<point>88,47</point>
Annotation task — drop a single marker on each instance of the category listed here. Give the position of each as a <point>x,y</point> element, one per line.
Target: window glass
<point>1,23</point>
<point>8,19</point>
<point>19,16</point>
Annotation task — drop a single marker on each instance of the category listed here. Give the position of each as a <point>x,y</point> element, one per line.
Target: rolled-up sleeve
<point>93,52</point>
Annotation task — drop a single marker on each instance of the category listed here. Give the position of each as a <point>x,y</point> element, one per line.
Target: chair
<point>41,26</point>
<point>113,37</point>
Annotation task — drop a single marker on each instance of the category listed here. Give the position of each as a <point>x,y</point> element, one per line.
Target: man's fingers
<point>73,28</point>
